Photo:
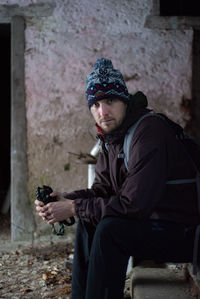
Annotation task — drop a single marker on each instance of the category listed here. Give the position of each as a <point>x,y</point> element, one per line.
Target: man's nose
<point>104,109</point>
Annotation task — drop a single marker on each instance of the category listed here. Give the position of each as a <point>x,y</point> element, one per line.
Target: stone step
<point>159,283</point>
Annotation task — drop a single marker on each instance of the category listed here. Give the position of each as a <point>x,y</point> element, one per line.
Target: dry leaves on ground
<point>41,272</point>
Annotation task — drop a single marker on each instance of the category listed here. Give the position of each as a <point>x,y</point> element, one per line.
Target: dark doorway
<point>5,119</point>
<point>180,8</point>
<point>195,107</point>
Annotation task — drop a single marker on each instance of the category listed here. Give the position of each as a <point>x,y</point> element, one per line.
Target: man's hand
<point>56,211</point>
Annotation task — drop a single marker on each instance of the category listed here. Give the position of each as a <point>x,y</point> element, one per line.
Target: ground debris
<point>40,272</point>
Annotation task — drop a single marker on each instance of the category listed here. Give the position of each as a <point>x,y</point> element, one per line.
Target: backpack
<point>192,150</point>
<point>189,144</point>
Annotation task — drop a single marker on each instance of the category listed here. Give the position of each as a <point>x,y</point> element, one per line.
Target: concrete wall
<point>60,51</point>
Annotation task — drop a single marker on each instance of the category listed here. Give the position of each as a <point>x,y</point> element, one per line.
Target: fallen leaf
<point>26,290</point>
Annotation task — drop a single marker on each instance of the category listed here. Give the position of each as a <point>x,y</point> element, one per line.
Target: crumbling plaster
<point>61,50</point>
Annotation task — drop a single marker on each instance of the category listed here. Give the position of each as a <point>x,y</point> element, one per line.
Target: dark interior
<point>5,84</point>
<point>180,8</point>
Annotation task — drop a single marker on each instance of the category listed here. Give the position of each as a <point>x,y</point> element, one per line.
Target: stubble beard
<point>110,126</point>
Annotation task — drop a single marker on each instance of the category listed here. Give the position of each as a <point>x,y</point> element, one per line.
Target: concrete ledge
<point>162,283</point>
<point>31,10</point>
<point>172,23</point>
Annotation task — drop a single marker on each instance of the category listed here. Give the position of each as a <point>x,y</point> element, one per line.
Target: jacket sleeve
<point>144,185</point>
<point>101,187</point>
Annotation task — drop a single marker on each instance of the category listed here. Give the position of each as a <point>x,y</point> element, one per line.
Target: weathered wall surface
<point>61,50</point>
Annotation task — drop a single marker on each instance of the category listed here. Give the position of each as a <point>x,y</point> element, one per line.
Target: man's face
<point>109,113</point>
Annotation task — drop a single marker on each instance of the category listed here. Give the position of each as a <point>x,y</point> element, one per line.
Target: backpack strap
<point>129,136</point>
<point>130,133</point>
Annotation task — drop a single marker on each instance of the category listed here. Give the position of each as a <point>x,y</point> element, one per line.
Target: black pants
<point>102,253</point>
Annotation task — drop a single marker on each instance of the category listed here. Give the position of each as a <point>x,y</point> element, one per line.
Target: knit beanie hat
<point>105,82</point>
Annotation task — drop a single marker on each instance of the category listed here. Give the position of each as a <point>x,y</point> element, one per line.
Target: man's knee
<point>106,229</point>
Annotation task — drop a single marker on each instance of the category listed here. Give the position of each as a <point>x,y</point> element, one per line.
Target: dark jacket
<point>156,156</point>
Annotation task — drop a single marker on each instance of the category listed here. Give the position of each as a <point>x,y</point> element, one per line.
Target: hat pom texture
<point>105,82</point>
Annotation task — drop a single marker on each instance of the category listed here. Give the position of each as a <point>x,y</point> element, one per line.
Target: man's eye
<point>96,104</point>
<point>110,101</point>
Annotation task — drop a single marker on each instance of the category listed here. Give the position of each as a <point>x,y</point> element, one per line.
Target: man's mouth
<point>106,121</point>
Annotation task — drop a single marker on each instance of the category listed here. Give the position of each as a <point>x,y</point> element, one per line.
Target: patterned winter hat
<point>105,82</point>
